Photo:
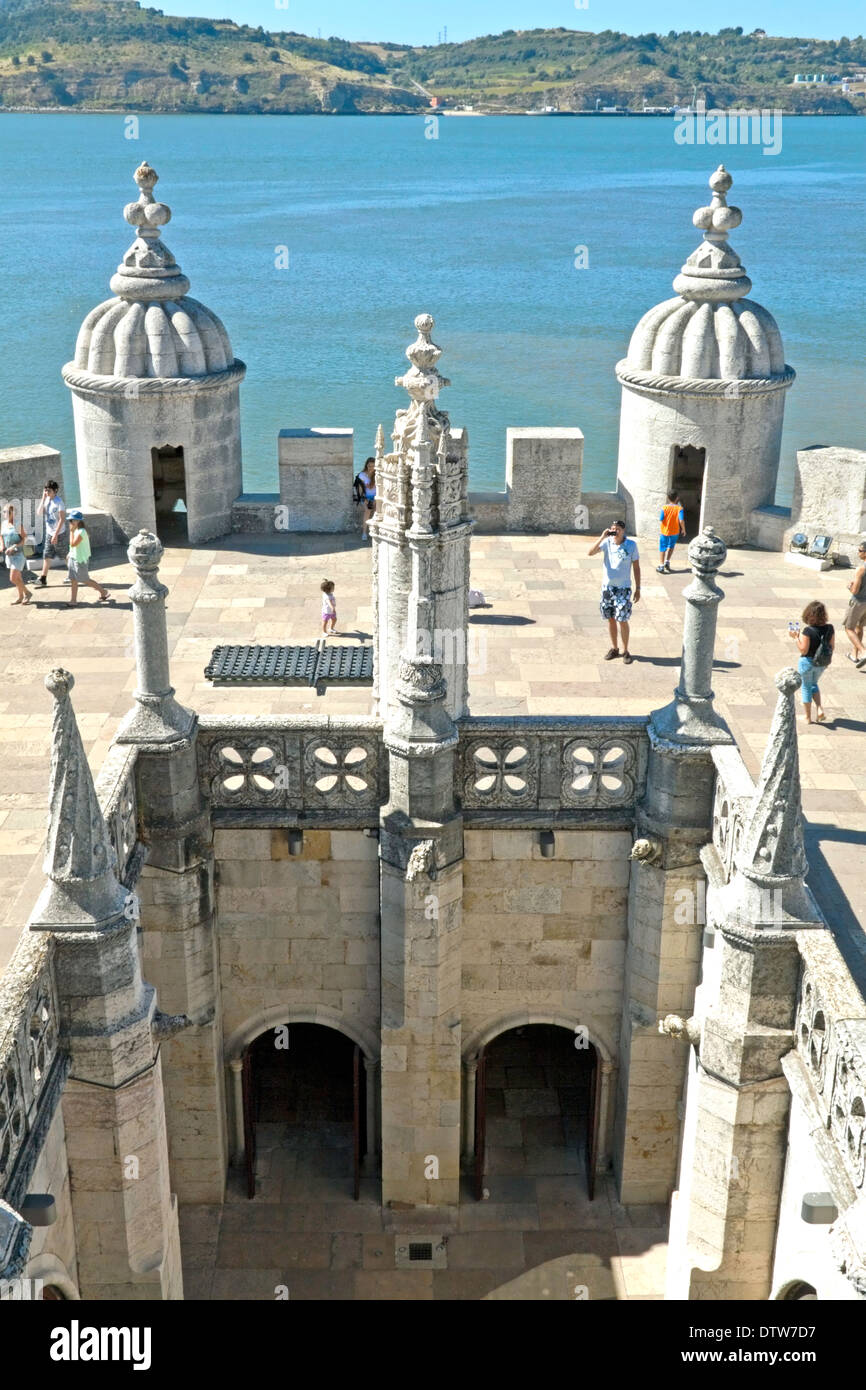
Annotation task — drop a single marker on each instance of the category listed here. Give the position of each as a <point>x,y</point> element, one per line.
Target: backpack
<point>823,653</point>
<point>358,490</point>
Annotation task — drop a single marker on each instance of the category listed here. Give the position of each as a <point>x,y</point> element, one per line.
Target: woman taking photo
<point>12,538</point>
<point>816,640</point>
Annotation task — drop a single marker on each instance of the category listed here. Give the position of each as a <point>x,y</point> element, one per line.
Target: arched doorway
<point>688,465</point>
<point>169,494</point>
<point>537,1104</point>
<point>304,1104</point>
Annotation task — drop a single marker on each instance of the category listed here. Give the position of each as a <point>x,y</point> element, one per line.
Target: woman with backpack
<point>816,641</point>
<point>12,538</point>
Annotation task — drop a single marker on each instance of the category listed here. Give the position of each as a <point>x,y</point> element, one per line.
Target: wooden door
<point>592,1123</point>
<point>480,1124</point>
<point>249,1122</point>
<point>356,1122</point>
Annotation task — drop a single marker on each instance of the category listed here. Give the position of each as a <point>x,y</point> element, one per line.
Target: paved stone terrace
<point>538,649</point>
<point>534,1239</point>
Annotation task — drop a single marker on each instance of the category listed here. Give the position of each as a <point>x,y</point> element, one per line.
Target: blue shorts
<point>615,603</point>
<point>667,543</point>
<point>808,679</point>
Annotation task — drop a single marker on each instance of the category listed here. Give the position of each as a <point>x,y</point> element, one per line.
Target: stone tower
<point>124,1211</point>
<point>703,391</point>
<point>155,391</point>
<point>421,536</point>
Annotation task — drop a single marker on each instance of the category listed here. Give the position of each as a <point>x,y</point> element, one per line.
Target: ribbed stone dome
<point>710,331</point>
<point>152,328</point>
<point>169,338</point>
<point>690,338</point>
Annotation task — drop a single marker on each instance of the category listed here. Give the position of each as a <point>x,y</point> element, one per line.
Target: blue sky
<point>412,21</point>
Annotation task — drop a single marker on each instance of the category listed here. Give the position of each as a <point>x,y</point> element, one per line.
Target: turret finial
<point>148,271</point>
<point>714,272</point>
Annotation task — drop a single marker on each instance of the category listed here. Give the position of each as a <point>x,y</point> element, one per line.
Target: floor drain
<point>420,1254</point>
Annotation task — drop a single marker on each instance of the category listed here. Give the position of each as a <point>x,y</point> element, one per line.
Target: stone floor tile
<point>497,1216</point>
<point>396,1285</point>
<point>486,1249</point>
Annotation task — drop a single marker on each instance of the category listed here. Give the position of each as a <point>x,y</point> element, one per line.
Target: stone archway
<point>584,1036</point>
<point>245,1042</point>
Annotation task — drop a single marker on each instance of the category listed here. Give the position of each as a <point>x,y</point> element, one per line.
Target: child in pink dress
<point>329,608</point>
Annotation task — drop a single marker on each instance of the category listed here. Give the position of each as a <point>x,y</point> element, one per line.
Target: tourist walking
<point>329,608</point>
<point>55,543</point>
<point>816,641</point>
<point>79,561</point>
<point>619,555</point>
<point>673,525</point>
<point>855,614</point>
<point>367,479</point>
<point>12,538</point>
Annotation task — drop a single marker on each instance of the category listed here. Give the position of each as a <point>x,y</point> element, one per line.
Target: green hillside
<point>96,55</point>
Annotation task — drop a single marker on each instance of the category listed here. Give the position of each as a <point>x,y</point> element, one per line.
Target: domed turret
<point>703,390</point>
<point>142,363</point>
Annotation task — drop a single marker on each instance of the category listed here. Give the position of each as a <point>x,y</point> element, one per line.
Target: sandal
<point>614,651</point>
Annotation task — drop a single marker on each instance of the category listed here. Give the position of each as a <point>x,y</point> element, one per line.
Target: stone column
<point>665,899</point>
<point>157,717</point>
<point>113,1111</point>
<point>690,718</point>
<point>236,1067</point>
<point>470,1072</point>
<point>177,894</point>
<point>737,1108</point>
<point>371,1079</point>
<point>421,849</point>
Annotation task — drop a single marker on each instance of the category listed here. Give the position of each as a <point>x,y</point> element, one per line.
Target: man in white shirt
<point>619,554</point>
<point>56,542</point>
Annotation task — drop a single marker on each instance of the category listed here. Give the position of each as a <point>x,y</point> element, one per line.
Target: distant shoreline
<point>424,113</point>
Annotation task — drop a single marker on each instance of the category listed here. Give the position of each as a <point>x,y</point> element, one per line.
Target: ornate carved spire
<point>772,850</point>
<point>82,893</point>
<point>148,271</point>
<point>714,272</point>
<point>423,382</point>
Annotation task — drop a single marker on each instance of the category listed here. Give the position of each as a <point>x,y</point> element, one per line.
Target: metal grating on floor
<point>420,1254</point>
<point>290,665</point>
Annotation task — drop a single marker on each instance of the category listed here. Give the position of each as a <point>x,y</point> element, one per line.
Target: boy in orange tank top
<point>673,525</point>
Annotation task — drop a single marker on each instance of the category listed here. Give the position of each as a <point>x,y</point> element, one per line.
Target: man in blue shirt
<point>619,554</point>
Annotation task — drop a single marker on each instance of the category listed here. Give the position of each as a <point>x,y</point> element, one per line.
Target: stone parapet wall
<point>317,467</point>
<point>769,528</point>
<point>830,497</point>
<point>330,769</point>
<point>24,472</point>
<point>529,768</point>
